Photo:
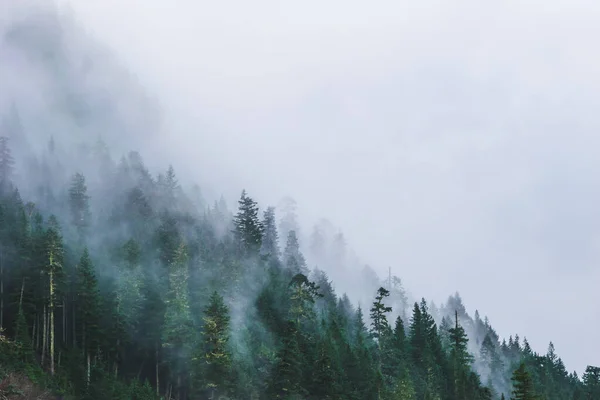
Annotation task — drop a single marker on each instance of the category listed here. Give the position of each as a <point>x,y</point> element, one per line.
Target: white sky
<point>456,141</point>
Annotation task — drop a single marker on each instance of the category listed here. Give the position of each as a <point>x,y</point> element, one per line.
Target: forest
<point>118,281</point>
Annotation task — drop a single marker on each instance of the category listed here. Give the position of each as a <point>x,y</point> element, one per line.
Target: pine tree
<point>248,228</point>
<point>303,295</point>
<point>79,203</point>
<point>287,374</point>
<point>289,218</point>
<point>54,271</point>
<point>460,357</point>
<point>325,374</point>
<point>522,384</point>
<point>88,306</point>
<point>293,259</point>
<point>270,244</point>
<point>178,326</point>
<point>490,357</point>
<point>7,163</point>
<point>215,354</point>
<point>379,320</point>
<point>591,382</point>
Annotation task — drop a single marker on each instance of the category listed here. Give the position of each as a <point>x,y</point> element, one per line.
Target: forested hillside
<point>117,282</point>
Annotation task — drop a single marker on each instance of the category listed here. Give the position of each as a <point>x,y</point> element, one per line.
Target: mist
<point>454,144</point>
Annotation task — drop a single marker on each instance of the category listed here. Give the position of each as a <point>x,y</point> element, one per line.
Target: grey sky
<point>456,141</point>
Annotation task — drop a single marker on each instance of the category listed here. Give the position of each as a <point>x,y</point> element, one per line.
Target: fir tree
<point>303,295</point>
<point>248,228</point>
<point>54,270</point>
<point>292,257</point>
<point>215,353</point>
<point>460,357</point>
<point>270,244</point>
<point>379,320</point>
<point>591,382</point>
<point>79,203</point>
<point>88,305</point>
<point>522,384</point>
<point>287,374</point>
<point>178,325</point>
<point>7,163</point>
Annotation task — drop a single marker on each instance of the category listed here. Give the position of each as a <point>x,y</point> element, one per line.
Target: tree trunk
<point>74,323</point>
<point>117,359</point>
<point>1,290</point>
<point>39,329</point>
<point>168,393</point>
<point>83,338</point>
<point>51,323</point>
<point>64,322</point>
<point>141,368</point>
<point>157,378</point>
<point>45,337</point>
<point>33,333</point>
<point>88,376</point>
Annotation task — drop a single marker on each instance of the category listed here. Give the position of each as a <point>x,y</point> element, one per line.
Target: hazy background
<point>456,142</point>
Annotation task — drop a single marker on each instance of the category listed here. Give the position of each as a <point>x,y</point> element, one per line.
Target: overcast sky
<point>457,142</point>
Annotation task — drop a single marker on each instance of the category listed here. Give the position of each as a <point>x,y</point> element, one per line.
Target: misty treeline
<point>116,283</point>
<point>146,293</point>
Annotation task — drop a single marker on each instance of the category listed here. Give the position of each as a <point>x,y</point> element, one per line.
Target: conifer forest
<point>120,280</point>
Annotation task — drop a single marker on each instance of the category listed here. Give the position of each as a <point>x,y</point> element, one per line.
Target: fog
<point>454,143</point>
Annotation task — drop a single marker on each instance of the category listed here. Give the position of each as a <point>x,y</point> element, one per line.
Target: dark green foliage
<point>185,304</point>
<point>248,228</point>
<point>293,259</point>
<point>522,384</point>
<point>591,382</point>
<point>213,361</point>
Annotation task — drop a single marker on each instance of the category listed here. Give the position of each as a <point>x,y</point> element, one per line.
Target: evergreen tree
<point>248,228</point>
<point>54,271</point>
<point>7,163</point>
<point>289,217</point>
<point>460,357</point>
<point>215,353</point>
<point>287,374</point>
<point>88,305</point>
<point>522,384</point>
<point>379,320</point>
<point>591,382</point>
<point>178,326</point>
<point>270,244</point>
<point>303,295</point>
<point>79,203</point>
<point>293,259</point>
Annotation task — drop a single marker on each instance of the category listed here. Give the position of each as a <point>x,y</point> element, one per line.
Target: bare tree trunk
<point>168,393</point>
<point>1,290</point>
<point>74,314</point>
<point>141,368</point>
<point>51,323</point>
<point>117,359</point>
<point>45,338</point>
<point>88,370</point>
<point>39,330</point>
<point>64,322</point>
<point>33,333</point>
<point>157,378</point>
<point>83,338</point>
<point>179,387</point>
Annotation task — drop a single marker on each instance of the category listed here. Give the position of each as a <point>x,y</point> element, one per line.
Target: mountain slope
<point>119,283</point>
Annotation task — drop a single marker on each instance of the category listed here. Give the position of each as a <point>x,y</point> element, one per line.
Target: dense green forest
<point>145,295</point>
<point>119,282</point>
